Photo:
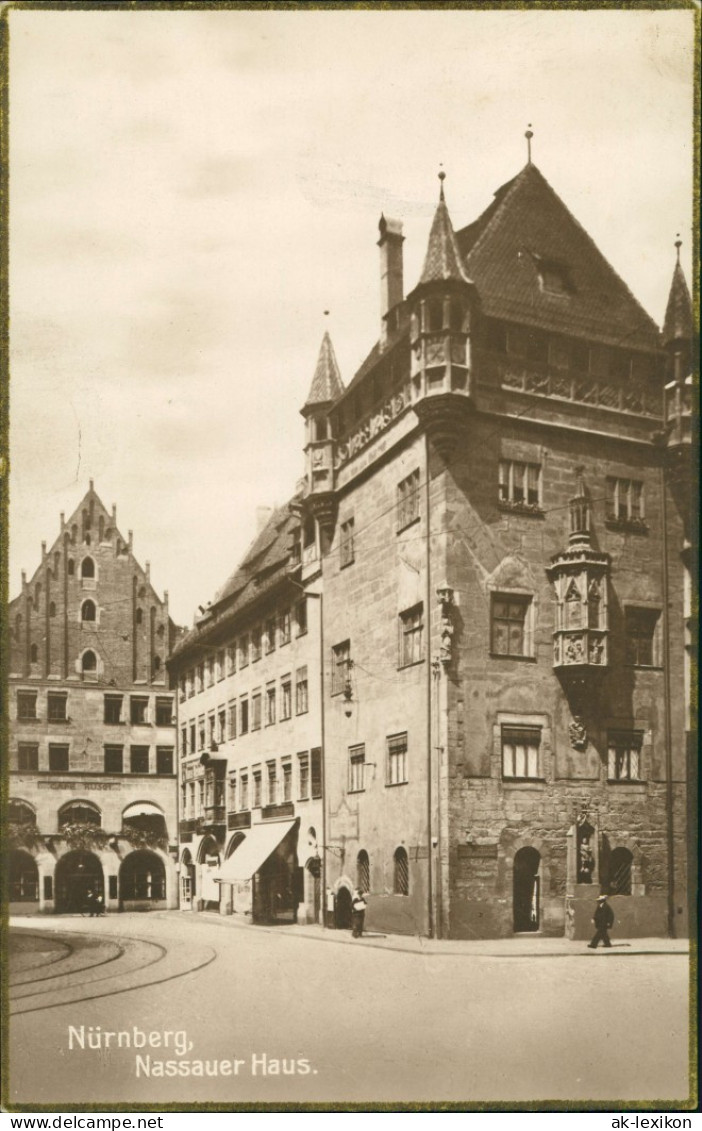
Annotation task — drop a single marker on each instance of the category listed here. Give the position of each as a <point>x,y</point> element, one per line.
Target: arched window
<point>21,813</point>
<point>142,591</point>
<point>620,863</point>
<point>139,616</point>
<point>87,610</point>
<point>34,653</point>
<point>52,609</point>
<point>89,661</point>
<point>401,876</point>
<point>160,630</point>
<point>79,813</point>
<point>71,567</point>
<point>87,568</point>
<point>142,876</point>
<point>363,871</point>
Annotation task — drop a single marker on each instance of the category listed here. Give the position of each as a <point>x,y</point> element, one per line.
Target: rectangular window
<point>341,666</point>
<point>284,626</point>
<point>232,719</point>
<point>164,760</point>
<point>201,677</point>
<point>270,634</point>
<point>201,733</point>
<point>509,624</point>
<point>272,776</point>
<point>301,692</point>
<point>139,759</point>
<point>397,759</point>
<point>231,659</point>
<point>303,765</point>
<point>408,500</point>
<point>183,741</point>
<point>287,781</point>
<point>270,704</point>
<point>243,791</point>
<point>26,705</point>
<point>640,628</point>
<point>243,716</point>
<point>256,711</point>
<point>219,665</point>
<point>519,484</point>
<point>624,756</point>
<point>28,757</point>
<point>232,794</point>
<point>411,636</point>
<point>58,758</point>
<point>520,752</point>
<point>221,725</point>
<point>257,789</point>
<point>357,761</point>
<point>113,709</point>
<point>285,697</point>
<point>138,706</point>
<point>244,651</point>
<point>346,554</point>
<point>301,616</point>
<point>211,730</point>
<point>193,738</point>
<point>316,772</point>
<point>209,671</point>
<point>625,500</point>
<point>255,644</point>
<point>57,702</point>
<point>164,711</point>
<point>182,689</point>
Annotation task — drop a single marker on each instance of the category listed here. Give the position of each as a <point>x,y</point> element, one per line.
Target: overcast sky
<point>190,191</point>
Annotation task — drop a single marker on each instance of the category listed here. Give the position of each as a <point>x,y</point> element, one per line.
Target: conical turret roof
<point>326,384</point>
<point>443,259</point>
<point>678,313</point>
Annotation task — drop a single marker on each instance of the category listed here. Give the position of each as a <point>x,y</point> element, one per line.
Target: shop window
<point>400,872</point>
<point>521,753</point>
<point>624,756</point>
<point>411,636</point>
<point>510,629</point>
<point>397,759</point>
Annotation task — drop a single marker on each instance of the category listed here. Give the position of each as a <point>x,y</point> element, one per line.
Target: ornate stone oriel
<point>579,575</point>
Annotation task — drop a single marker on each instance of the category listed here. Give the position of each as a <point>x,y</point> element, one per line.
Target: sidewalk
<point>519,946</point>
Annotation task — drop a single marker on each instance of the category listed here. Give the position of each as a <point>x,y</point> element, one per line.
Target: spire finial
<point>529,135</point>
<point>678,245</point>
<point>442,178</point>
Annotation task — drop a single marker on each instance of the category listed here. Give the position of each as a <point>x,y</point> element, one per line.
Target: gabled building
<point>92,777</point>
<point>503,510</point>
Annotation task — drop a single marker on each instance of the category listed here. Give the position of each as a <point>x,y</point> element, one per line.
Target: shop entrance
<point>77,874</point>
<point>342,909</point>
<point>526,897</point>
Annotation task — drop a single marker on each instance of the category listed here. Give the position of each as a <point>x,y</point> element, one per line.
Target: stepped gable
<point>528,229</point>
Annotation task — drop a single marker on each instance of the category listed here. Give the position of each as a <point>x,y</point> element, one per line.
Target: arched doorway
<point>526,883</point>
<point>187,878</point>
<point>23,879</point>
<point>142,878</point>
<point>77,873</point>
<point>209,859</point>
<point>313,889</point>
<point>342,909</point>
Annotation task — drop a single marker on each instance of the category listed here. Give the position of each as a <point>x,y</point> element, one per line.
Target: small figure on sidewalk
<point>604,921</point>
<point>358,913</point>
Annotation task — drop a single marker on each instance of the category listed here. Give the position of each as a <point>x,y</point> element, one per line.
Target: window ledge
<point>411,664</point>
<point>524,783</point>
<point>645,667</point>
<point>627,525</point>
<point>361,790</point>
<point>394,784</point>
<point>518,659</point>
<point>529,510</point>
<point>637,782</point>
<point>407,525</point>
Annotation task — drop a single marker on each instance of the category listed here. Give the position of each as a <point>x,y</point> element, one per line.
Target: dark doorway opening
<point>526,890</point>
<point>342,909</point>
<point>77,874</point>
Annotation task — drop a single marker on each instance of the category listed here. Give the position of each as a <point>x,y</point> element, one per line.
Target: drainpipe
<point>430,850</point>
<point>668,720</point>
<point>324,759</point>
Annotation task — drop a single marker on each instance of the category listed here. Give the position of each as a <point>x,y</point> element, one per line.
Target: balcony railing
<point>187,828</point>
<point>239,820</point>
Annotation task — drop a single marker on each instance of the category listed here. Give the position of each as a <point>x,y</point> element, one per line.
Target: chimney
<point>262,516</point>
<point>391,290</point>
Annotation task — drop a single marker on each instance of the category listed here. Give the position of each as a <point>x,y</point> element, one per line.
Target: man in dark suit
<point>604,921</point>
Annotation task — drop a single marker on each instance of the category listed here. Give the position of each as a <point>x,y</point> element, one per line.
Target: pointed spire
<point>678,315</point>
<point>529,135</point>
<point>443,259</point>
<point>326,384</point>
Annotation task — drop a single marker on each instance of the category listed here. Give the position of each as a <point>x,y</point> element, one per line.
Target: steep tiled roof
<point>263,567</point>
<point>443,259</point>
<point>678,313</point>
<point>326,384</point>
<point>528,228</point>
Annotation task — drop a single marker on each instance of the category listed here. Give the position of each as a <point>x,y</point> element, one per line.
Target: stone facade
<point>92,749</point>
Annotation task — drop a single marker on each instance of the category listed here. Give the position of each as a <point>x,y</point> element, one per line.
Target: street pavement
<point>301,1015</point>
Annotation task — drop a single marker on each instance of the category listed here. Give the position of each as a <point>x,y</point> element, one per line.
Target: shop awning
<point>261,841</point>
